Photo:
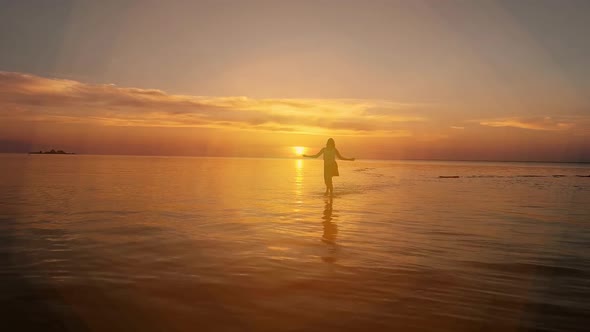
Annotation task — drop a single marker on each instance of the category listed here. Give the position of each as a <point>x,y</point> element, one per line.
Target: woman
<point>330,166</point>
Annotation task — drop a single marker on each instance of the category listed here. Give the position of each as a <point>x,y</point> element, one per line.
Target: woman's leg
<point>328,182</point>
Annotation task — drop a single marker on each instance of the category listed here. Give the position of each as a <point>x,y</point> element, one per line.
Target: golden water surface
<point>120,243</point>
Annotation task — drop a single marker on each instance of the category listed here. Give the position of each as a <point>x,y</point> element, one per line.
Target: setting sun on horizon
<point>299,150</point>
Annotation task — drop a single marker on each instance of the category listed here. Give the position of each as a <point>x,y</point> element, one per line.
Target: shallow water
<point>170,243</point>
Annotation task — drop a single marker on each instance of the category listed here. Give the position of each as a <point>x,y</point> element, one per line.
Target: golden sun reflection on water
<point>298,181</point>
<point>299,165</point>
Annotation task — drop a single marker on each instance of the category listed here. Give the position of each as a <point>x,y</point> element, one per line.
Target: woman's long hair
<point>330,144</point>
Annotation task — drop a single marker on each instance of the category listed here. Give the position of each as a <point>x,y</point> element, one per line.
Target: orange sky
<point>44,113</point>
<point>495,80</point>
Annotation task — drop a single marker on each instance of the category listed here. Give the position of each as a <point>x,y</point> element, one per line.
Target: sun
<point>299,150</point>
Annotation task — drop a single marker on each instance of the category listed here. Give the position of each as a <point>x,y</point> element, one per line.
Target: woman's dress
<point>330,165</point>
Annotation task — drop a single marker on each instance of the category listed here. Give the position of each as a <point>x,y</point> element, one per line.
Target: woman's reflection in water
<point>330,232</point>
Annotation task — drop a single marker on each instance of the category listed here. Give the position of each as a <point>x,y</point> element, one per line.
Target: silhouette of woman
<point>330,166</point>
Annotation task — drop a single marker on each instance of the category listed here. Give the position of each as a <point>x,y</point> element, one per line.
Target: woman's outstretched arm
<point>315,155</point>
<point>343,158</point>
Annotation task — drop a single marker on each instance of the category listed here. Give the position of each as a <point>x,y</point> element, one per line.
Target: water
<point>119,243</point>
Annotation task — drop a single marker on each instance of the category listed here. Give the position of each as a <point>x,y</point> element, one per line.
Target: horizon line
<point>294,158</point>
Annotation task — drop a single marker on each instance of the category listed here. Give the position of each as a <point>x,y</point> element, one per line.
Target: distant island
<point>52,152</point>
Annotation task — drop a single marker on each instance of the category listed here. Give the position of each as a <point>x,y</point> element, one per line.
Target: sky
<point>453,80</point>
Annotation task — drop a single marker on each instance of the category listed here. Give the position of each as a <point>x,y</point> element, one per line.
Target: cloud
<point>33,98</point>
<point>532,123</point>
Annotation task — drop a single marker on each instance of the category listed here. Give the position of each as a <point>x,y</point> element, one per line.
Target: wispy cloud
<point>34,98</point>
<point>532,123</point>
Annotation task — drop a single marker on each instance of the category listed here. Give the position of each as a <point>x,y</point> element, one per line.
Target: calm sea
<point>121,243</point>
